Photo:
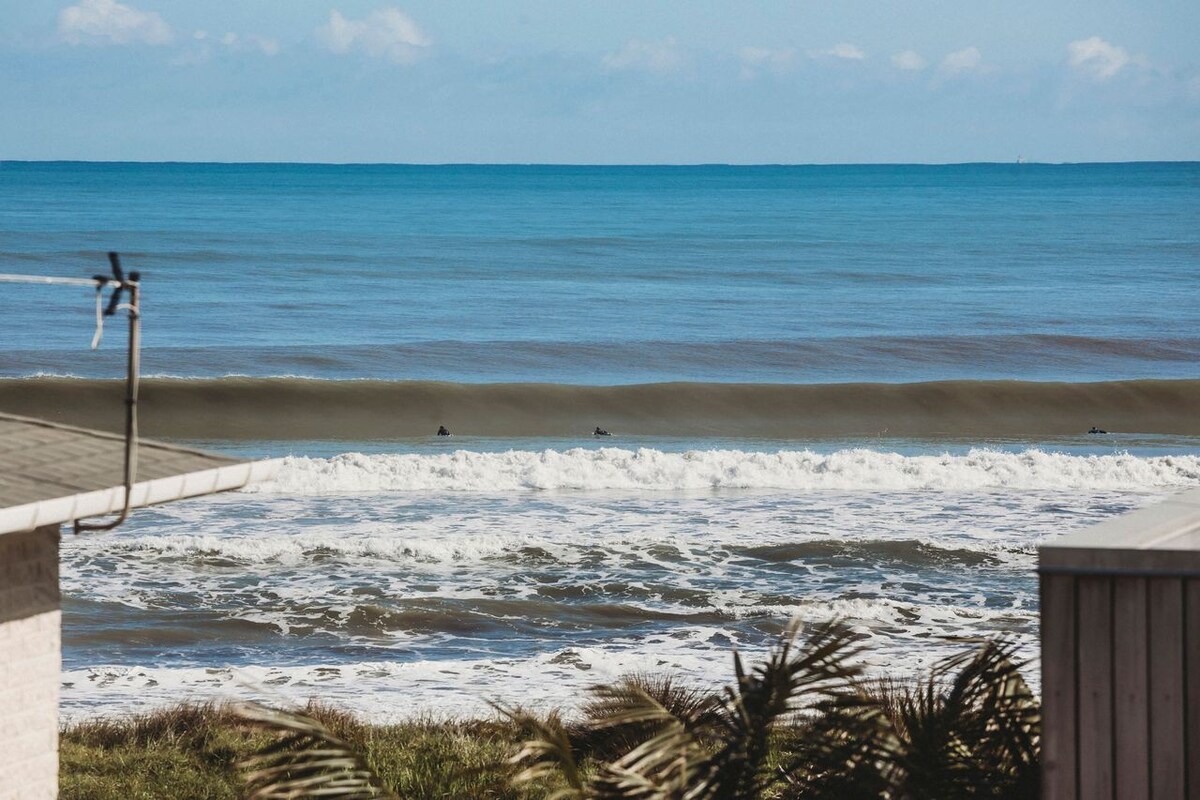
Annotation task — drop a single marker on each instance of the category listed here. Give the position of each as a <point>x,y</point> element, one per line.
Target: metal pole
<point>131,393</point>
<point>131,396</point>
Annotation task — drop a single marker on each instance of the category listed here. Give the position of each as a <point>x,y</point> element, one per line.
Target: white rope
<point>99,316</point>
<point>99,284</point>
<point>43,279</point>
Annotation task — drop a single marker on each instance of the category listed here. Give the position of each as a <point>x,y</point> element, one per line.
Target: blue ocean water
<point>399,576</point>
<point>616,274</point>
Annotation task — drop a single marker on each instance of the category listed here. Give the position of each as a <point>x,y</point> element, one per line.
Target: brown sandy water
<point>300,409</point>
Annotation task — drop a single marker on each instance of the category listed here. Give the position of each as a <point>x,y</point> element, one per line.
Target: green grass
<point>191,751</point>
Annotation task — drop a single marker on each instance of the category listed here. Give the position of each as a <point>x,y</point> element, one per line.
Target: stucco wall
<point>30,664</point>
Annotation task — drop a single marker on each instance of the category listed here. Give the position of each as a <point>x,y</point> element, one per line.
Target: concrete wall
<point>30,664</point>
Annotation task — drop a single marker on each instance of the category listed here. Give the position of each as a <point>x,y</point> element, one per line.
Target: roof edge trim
<point>145,493</point>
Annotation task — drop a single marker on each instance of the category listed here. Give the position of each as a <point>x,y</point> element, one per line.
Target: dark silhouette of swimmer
<point>442,431</point>
<point>600,432</point>
<point>1096,430</point>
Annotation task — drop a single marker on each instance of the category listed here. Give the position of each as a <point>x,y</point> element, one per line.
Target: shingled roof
<point>52,473</point>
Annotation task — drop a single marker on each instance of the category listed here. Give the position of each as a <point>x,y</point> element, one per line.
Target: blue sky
<point>600,82</point>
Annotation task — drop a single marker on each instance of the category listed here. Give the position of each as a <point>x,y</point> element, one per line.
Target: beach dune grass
<point>193,751</point>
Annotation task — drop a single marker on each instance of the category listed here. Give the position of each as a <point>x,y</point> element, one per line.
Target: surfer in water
<point>600,432</point>
<point>442,431</point>
<point>1096,430</point>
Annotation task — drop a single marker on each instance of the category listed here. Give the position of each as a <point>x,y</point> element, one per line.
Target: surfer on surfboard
<point>600,432</point>
<point>442,431</point>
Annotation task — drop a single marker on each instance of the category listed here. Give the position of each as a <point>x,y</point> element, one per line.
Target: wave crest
<point>645,469</point>
<point>290,409</point>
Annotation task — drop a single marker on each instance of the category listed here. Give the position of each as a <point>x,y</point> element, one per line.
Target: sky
<point>562,81</point>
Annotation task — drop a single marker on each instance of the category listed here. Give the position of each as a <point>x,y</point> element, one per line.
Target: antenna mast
<point>120,283</point>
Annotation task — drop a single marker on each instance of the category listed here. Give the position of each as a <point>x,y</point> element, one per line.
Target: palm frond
<point>609,703</point>
<point>842,751</point>
<point>625,714</point>
<point>305,761</point>
<point>684,744</point>
<point>545,754</point>
<point>1004,732</point>
<point>663,765</point>
<point>971,728</point>
<point>792,678</point>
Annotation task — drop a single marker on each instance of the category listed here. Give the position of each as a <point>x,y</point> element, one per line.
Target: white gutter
<point>145,493</point>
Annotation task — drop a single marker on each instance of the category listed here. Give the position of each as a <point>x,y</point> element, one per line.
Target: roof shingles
<point>43,461</point>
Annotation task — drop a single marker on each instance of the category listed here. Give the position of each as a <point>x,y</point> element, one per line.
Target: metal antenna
<point>120,284</point>
<point>132,377</point>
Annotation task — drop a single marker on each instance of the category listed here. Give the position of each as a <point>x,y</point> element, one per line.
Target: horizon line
<point>689,164</point>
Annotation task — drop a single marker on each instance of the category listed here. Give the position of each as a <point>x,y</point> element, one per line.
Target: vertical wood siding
<point>1121,686</point>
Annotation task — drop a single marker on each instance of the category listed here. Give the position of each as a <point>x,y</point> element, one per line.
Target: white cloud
<point>385,33</point>
<point>111,22</point>
<point>1098,58</point>
<point>268,46</point>
<point>764,55</point>
<point>755,58</point>
<point>262,44</point>
<point>908,60</point>
<point>204,45</point>
<point>964,60</point>
<point>660,56</point>
<point>851,52</point>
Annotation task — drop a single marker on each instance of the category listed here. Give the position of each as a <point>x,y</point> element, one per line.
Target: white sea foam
<point>559,677</point>
<point>41,374</point>
<point>385,691</point>
<point>801,470</point>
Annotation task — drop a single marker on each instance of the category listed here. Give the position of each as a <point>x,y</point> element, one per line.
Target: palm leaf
<point>716,748</point>
<point>670,724</point>
<point>1004,733</point>
<point>306,761</point>
<point>790,680</point>
<point>693,745</point>
<point>624,715</point>
<point>970,729</point>
<point>843,751</point>
<point>545,754</point>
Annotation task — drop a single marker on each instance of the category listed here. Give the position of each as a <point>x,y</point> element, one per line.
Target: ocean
<point>852,392</point>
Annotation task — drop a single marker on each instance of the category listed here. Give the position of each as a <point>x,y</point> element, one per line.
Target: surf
<point>647,469</point>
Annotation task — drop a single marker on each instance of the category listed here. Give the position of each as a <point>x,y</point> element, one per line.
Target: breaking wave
<point>291,409</point>
<point>644,469</point>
